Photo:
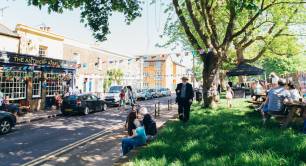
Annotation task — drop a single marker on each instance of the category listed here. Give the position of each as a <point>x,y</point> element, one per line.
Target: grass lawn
<point>225,137</point>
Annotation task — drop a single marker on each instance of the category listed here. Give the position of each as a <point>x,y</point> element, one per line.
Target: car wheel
<point>86,111</point>
<point>104,107</point>
<point>5,126</point>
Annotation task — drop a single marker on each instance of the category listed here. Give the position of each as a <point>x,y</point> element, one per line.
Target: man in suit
<point>184,98</point>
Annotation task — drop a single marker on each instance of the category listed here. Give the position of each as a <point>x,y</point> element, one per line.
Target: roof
<point>39,32</point>
<point>245,70</point>
<point>7,32</point>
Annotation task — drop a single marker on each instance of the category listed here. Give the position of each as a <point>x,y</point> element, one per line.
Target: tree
<point>216,25</point>
<point>220,24</point>
<point>94,13</point>
<point>115,75</point>
<point>284,56</point>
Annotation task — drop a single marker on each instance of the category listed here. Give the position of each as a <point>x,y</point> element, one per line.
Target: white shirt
<point>1,98</point>
<point>294,94</point>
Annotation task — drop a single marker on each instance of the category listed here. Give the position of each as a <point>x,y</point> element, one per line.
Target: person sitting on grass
<point>138,138</point>
<point>149,124</point>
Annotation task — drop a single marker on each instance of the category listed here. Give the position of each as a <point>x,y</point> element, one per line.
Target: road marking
<point>62,150</point>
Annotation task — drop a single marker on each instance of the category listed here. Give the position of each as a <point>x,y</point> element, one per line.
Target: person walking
<point>184,98</point>
<point>1,98</point>
<point>122,98</point>
<point>229,96</point>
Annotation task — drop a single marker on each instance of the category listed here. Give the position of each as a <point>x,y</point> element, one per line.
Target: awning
<point>245,70</point>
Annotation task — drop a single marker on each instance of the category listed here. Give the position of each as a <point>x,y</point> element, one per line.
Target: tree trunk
<point>222,80</point>
<point>240,59</point>
<point>210,70</point>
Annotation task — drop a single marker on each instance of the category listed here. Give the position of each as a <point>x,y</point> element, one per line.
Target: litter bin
<point>198,95</point>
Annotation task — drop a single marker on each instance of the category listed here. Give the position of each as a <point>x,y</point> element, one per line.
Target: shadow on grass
<point>224,137</point>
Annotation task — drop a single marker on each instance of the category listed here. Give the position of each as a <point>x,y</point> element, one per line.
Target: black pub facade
<point>34,80</point>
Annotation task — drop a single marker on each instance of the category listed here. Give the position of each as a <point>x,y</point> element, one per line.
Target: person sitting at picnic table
<point>138,137</point>
<point>258,90</point>
<point>149,124</point>
<point>275,100</point>
<point>294,93</point>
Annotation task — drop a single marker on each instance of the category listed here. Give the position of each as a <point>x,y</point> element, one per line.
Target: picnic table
<point>255,102</point>
<point>262,97</point>
<point>296,107</point>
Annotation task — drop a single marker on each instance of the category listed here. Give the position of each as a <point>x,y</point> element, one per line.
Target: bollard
<point>168,104</point>
<point>155,110</point>
<point>158,107</point>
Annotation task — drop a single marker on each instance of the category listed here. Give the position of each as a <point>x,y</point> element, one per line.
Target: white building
<point>94,64</point>
<point>9,40</point>
<point>40,42</point>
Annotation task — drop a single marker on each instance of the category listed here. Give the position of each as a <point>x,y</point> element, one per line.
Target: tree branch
<point>277,34</point>
<point>196,24</point>
<point>204,17</point>
<point>230,27</point>
<point>250,22</point>
<point>206,9</point>
<point>184,23</point>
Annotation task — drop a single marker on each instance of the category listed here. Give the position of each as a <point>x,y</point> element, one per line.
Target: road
<point>30,141</point>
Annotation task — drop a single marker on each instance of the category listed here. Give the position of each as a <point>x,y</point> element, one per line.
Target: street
<point>30,141</point>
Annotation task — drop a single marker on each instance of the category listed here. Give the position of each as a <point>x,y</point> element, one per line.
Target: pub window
<point>36,84</point>
<point>54,84</point>
<point>43,51</point>
<point>13,84</point>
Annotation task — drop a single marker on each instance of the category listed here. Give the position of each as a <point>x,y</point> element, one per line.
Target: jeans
<point>128,144</point>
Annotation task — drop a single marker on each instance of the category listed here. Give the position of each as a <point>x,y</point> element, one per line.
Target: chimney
<point>47,29</point>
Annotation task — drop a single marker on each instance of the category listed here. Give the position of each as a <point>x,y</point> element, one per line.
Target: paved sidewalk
<point>105,150</point>
<point>37,115</point>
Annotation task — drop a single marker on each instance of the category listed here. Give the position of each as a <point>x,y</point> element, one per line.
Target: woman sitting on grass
<point>149,124</point>
<point>137,139</point>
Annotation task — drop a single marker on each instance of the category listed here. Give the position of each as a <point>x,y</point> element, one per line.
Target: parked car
<point>83,104</point>
<point>143,95</point>
<point>7,122</point>
<point>158,93</point>
<point>165,91</point>
<point>153,93</point>
<point>112,98</point>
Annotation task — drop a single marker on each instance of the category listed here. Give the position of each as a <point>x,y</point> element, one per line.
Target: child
<point>229,96</point>
<point>122,98</point>
<point>58,100</point>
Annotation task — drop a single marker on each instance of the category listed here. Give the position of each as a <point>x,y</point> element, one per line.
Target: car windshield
<point>115,89</point>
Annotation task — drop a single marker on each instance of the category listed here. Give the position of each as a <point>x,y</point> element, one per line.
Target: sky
<point>139,38</point>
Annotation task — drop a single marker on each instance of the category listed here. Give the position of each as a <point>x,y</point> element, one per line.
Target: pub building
<point>34,80</point>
